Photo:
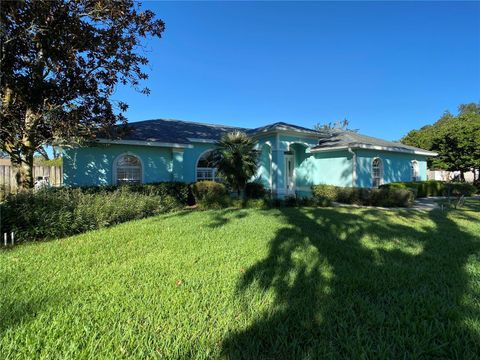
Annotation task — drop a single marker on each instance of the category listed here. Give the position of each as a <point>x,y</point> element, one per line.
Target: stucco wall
<point>94,165</point>
<point>285,143</point>
<point>330,168</point>
<point>396,166</point>
<point>190,159</point>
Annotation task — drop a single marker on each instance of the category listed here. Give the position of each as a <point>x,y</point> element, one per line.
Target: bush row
<point>59,212</point>
<point>434,188</point>
<point>53,213</point>
<point>386,197</point>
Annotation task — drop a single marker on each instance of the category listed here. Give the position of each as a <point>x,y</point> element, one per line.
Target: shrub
<point>348,195</point>
<point>211,195</point>
<point>322,201</point>
<point>180,191</point>
<point>328,192</point>
<point>390,197</point>
<point>59,212</point>
<point>255,190</point>
<point>306,201</point>
<point>290,201</point>
<point>387,197</point>
<point>250,203</point>
<point>257,204</point>
<point>458,189</point>
<point>433,188</point>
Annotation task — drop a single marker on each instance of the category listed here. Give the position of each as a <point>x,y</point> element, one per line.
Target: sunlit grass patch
<point>279,283</point>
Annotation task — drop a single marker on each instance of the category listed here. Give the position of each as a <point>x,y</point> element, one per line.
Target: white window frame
<point>115,167</point>
<point>377,181</point>
<point>207,173</point>
<point>415,170</point>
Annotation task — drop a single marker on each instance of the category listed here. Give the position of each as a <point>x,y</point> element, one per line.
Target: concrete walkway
<point>427,203</point>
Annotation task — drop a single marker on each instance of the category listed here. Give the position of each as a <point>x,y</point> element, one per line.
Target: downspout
<point>354,166</point>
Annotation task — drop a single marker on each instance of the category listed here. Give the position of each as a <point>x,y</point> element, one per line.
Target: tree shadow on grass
<point>359,284</point>
<point>222,217</point>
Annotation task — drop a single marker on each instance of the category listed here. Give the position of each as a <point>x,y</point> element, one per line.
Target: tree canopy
<point>456,139</point>
<point>335,125</point>
<point>61,61</point>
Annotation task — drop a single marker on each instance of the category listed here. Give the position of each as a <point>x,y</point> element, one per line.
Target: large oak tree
<point>456,139</point>
<point>60,64</point>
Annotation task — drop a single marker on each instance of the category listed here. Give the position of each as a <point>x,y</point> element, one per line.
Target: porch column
<point>278,174</point>
<point>177,164</point>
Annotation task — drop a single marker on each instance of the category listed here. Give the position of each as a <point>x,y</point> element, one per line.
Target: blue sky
<point>388,67</point>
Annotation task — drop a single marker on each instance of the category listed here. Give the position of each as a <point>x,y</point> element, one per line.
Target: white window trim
<point>381,171</point>
<point>415,167</point>
<point>294,175</point>
<point>215,178</point>
<point>115,165</point>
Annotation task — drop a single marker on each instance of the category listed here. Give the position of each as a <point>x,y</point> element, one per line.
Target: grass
<point>283,283</point>
<point>469,204</point>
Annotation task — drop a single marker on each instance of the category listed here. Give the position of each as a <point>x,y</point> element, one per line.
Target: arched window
<point>128,170</point>
<point>205,169</point>
<point>415,170</point>
<point>377,172</point>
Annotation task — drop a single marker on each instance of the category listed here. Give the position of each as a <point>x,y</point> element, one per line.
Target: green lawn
<point>282,283</point>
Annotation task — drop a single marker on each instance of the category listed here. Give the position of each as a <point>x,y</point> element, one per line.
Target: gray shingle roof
<point>345,138</point>
<point>180,132</point>
<point>282,126</point>
<point>175,131</point>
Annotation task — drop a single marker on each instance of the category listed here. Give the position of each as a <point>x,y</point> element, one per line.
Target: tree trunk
<point>25,176</point>
<point>462,176</point>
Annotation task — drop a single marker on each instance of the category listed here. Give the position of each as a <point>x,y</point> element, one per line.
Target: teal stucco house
<point>292,158</point>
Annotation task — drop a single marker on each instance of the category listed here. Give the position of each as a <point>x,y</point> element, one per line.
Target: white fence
<point>444,175</point>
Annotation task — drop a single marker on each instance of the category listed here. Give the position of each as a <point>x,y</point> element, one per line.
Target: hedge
<point>434,188</point>
<point>54,213</point>
<point>387,197</point>
<point>210,195</point>
<point>255,190</point>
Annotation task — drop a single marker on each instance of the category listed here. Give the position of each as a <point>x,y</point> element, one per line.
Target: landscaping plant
<point>55,213</point>
<point>236,159</point>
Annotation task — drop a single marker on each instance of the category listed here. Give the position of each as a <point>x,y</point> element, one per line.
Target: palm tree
<point>236,159</point>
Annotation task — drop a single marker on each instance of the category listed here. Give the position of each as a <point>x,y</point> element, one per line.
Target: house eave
<point>144,143</point>
<point>375,147</point>
<point>202,141</point>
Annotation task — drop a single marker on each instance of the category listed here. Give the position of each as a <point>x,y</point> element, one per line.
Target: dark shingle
<point>175,131</point>
<point>178,131</point>
<point>336,138</point>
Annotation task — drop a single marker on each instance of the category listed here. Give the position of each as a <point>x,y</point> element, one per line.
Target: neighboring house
<point>292,158</point>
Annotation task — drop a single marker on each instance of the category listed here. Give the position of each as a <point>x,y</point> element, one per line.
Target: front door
<point>289,180</point>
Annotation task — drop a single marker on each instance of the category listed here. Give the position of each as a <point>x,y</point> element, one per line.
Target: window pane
<point>129,170</point>
<point>376,172</point>
<point>205,169</point>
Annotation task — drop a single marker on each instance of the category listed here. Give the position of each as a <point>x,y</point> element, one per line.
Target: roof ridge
<point>189,122</point>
